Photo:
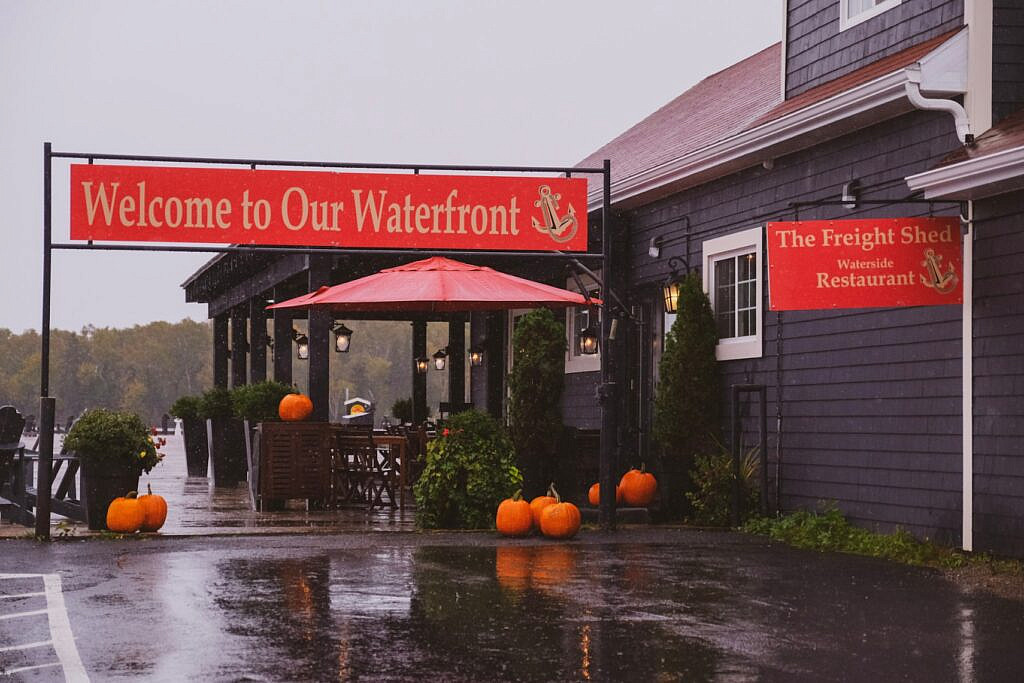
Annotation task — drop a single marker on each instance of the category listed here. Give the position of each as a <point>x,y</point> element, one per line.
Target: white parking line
<point>22,595</point>
<point>63,639</point>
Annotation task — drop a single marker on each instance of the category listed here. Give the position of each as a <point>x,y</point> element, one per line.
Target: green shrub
<point>535,386</point>
<point>470,468</point>
<point>117,439</point>
<point>186,407</point>
<point>712,492</point>
<point>258,402</point>
<point>401,410</point>
<point>215,402</point>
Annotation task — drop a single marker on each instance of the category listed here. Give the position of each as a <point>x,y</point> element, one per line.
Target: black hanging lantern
<point>342,338</point>
<point>588,341</point>
<point>670,294</point>
<point>440,359</point>
<point>476,356</point>
<point>301,345</point>
<point>422,364</point>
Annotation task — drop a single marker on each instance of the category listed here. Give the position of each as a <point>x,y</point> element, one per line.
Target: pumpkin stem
<point>643,467</point>
<point>149,487</point>
<point>132,494</point>
<point>518,495</point>
<point>554,492</point>
<point>551,489</point>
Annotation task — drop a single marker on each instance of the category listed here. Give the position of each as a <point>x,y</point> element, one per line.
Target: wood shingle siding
<point>999,374</point>
<point>1007,58</point>
<point>817,51</point>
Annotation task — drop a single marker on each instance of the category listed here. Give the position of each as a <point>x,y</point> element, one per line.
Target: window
<point>577,319</point>
<point>853,12</point>
<point>732,279</point>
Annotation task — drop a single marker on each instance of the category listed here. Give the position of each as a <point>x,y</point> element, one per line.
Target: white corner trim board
<point>973,178</point>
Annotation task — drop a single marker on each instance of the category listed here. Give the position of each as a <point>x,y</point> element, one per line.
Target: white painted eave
<point>974,178</point>
<point>941,72</point>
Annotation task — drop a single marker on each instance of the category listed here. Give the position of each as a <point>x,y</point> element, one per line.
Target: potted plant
<point>194,429</point>
<point>225,438</point>
<point>255,403</point>
<point>114,449</point>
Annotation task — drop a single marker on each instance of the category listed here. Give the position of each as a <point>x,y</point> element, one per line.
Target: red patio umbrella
<point>437,284</point>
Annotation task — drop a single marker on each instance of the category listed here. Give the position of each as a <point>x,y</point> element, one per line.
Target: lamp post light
<point>342,338</point>
<point>440,358</point>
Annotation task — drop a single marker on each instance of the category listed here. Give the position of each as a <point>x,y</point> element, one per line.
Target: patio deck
<point>196,508</point>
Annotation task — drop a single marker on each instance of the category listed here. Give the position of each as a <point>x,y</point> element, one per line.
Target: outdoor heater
<point>342,338</point>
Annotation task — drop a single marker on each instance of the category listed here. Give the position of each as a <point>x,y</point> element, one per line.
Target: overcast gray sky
<point>473,82</point>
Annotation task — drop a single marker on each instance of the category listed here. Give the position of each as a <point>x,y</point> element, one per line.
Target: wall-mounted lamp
<point>654,249</point>
<point>476,355</point>
<point>301,345</point>
<point>440,358</point>
<point>342,337</point>
<point>851,194</point>
<point>587,341</point>
<point>670,289</point>
<point>422,363</point>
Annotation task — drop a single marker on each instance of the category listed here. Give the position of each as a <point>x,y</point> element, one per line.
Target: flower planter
<point>101,484</point>
<point>225,437</point>
<point>196,453</point>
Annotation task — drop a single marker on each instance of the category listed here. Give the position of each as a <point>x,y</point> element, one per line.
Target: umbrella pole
<point>608,390</point>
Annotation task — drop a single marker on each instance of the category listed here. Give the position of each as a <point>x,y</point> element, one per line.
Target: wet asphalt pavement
<point>642,605</point>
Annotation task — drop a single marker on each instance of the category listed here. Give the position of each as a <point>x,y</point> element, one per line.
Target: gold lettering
<point>127,206</point>
<point>286,217</point>
<point>101,193</point>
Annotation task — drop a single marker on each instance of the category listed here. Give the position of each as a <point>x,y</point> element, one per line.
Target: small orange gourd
<point>125,515</point>
<point>594,495</point>
<point>514,517</point>
<point>154,510</point>
<point>559,519</point>
<point>539,503</point>
<point>295,407</point>
<point>638,487</point>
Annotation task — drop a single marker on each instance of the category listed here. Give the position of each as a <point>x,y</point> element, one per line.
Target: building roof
<point>718,106</point>
<point>1006,135</point>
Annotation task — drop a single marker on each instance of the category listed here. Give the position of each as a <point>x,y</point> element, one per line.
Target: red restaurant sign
<point>314,208</point>
<point>864,263</point>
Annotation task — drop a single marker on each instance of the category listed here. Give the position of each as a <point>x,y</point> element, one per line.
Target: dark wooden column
<point>220,350</point>
<point>282,339</point>
<point>319,342</point>
<point>419,381</point>
<point>257,339</point>
<point>239,335</point>
<point>494,361</point>
<point>456,362</point>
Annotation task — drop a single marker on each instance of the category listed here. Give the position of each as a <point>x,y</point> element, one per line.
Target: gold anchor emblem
<point>560,228</point>
<point>943,283</point>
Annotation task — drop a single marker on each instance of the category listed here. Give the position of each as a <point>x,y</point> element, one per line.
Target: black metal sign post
<point>47,403</point>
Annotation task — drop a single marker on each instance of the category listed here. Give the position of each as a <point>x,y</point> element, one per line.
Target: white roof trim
<point>792,131</point>
<point>974,178</point>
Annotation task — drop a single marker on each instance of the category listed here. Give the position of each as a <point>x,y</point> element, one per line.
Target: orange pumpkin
<point>154,510</point>
<point>594,495</point>
<point>559,519</point>
<point>514,516</point>
<point>638,487</point>
<point>295,407</point>
<point>125,515</point>
<point>539,503</point>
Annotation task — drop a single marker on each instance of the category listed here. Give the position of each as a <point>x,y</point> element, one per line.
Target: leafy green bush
<point>535,386</point>
<point>117,439</point>
<point>186,407</point>
<point>470,468</point>
<point>258,402</point>
<point>713,484</point>
<point>215,402</point>
<point>830,531</point>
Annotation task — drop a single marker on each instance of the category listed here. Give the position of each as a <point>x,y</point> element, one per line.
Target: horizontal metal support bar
<point>421,253</point>
<point>873,202</point>
<point>323,164</point>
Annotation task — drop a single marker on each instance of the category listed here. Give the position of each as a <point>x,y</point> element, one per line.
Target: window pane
<point>748,267</point>
<point>726,323</point>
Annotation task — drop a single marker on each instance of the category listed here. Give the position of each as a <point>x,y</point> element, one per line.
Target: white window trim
<point>731,245</point>
<point>846,21</point>
<point>580,363</point>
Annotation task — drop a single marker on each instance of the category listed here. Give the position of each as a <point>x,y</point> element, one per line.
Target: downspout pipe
<point>913,87</point>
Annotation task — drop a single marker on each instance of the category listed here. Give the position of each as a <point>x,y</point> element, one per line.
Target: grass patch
<point>830,531</point>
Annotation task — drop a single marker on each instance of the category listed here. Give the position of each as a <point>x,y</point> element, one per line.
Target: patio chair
<point>11,458</point>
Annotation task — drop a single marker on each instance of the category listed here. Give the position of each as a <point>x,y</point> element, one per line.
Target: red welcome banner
<point>314,208</point>
<point>864,263</point>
